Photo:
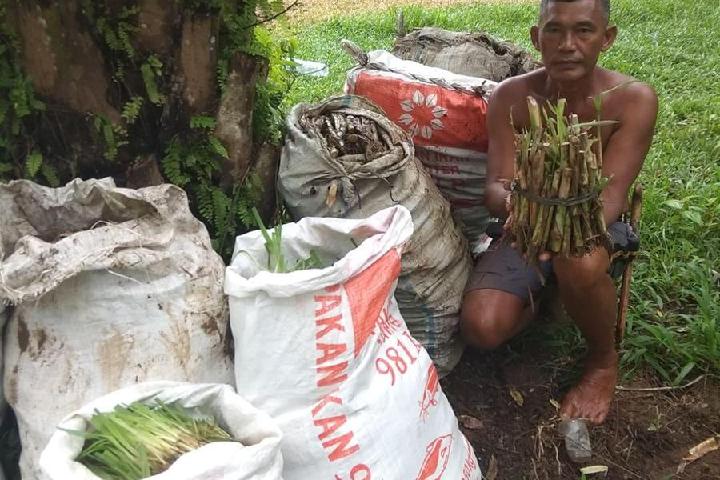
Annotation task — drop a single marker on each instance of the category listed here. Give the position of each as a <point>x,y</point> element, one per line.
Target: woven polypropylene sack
<point>326,353</point>
<point>254,455</point>
<point>110,287</point>
<point>445,116</point>
<point>436,263</point>
<point>473,54</point>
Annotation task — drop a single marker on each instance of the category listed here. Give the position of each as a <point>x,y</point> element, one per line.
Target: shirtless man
<point>570,36</point>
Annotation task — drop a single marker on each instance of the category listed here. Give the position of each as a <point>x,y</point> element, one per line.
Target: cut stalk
<point>558,176</point>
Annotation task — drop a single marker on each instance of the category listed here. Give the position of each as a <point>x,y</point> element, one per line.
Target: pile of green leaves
<point>137,441</point>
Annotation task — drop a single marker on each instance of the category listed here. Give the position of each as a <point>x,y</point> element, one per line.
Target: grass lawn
<point>674,323</point>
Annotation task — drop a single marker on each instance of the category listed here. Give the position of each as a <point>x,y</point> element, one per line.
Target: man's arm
<point>501,150</point>
<point>626,150</point>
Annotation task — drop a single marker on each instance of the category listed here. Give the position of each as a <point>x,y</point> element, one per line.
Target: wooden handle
<point>624,301</point>
<point>636,206</point>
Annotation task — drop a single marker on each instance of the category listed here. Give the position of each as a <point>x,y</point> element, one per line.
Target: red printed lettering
<point>360,472</point>
<point>330,352</point>
<point>341,447</point>
<point>328,324</point>
<point>387,325</point>
<point>327,303</point>
<point>326,400</point>
<point>396,362</point>
<point>329,425</point>
<point>470,464</point>
<point>332,374</point>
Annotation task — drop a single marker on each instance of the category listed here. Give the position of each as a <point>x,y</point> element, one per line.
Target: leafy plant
<point>136,441</point>
<point>152,70</point>
<point>115,29</point>
<point>193,161</point>
<point>277,263</point>
<point>192,157</point>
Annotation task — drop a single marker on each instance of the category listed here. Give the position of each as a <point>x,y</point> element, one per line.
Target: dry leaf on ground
<point>470,422</point>
<point>492,471</point>
<point>593,469</point>
<point>517,396</point>
<point>698,451</point>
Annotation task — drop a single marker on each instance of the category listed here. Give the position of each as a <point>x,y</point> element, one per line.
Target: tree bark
<point>62,60</point>
<point>71,70</point>
<point>234,117</point>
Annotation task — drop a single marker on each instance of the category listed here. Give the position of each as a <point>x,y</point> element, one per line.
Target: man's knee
<point>582,273</point>
<point>485,323</point>
<point>480,331</point>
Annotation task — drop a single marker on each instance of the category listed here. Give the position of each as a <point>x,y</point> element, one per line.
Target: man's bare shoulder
<point>625,90</point>
<point>515,89</point>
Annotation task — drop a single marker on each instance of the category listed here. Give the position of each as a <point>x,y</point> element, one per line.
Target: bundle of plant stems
<point>138,441</point>
<point>557,184</point>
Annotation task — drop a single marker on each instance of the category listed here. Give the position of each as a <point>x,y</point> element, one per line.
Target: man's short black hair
<point>605,4</point>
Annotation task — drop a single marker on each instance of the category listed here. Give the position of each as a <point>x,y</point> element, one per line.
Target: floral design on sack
<point>432,385</point>
<point>422,114</point>
<point>436,459</point>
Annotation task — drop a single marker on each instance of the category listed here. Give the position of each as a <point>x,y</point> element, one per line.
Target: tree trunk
<point>86,82</point>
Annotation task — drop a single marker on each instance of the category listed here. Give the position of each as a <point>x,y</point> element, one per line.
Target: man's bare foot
<point>591,397</point>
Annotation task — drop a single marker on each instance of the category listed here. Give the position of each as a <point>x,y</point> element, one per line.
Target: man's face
<point>570,37</point>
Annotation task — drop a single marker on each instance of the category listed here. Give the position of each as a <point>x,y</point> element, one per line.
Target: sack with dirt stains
<point>472,54</point>
<point>254,455</point>
<point>343,158</point>
<point>110,287</point>
<point>445,116</point>
<point>3,402</point>
<point>5,432</point>
<point>326,353</point>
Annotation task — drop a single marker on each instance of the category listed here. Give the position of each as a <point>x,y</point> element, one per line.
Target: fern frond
<point>221,206</point>
<point>205,203</point>
<point>50,175</point>
<point>202,122</point>
<point>217,146</point>
<point>33,162</point>
<point>131,109</point>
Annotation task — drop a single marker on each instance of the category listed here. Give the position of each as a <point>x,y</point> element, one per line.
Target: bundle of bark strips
<point>357,135</point>
<point>557,184</point>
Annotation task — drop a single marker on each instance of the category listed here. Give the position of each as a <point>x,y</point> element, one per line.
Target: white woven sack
<point>327,354</point>
<point>111,287</point>
<point>255,456</point>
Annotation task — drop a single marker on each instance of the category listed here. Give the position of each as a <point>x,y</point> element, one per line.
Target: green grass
<point>674,322</point>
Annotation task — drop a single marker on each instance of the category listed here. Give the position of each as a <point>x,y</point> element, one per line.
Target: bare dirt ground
<point>315,10</point>
<point>504,402</point>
